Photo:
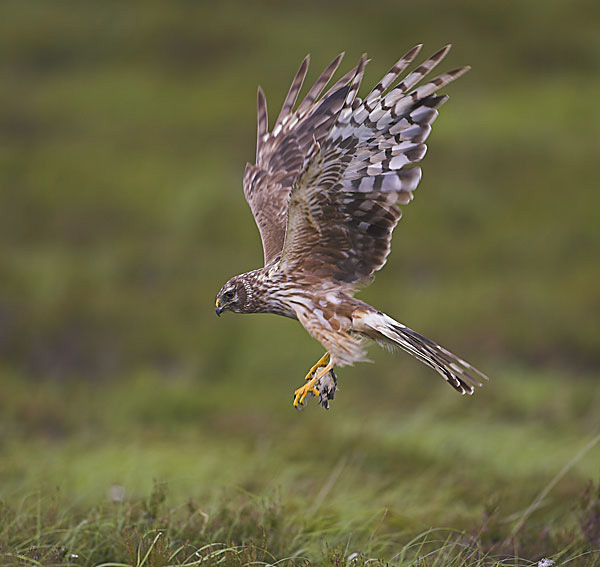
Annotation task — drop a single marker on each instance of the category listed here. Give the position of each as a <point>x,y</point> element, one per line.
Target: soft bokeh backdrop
<point>124,131</point>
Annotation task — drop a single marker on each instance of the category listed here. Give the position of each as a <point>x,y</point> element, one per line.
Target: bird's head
<point>233,296</point>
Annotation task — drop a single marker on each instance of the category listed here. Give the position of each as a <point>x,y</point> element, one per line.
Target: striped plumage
<point>325,193</point>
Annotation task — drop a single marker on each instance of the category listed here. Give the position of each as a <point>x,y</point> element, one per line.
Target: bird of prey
<point>325,193</point>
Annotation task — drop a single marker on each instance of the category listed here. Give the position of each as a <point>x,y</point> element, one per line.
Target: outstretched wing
<point>344,204</point>
<point>280,154</point>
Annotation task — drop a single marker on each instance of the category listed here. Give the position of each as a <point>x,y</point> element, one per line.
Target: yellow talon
<point>301,393</point>
<point>323,361</point>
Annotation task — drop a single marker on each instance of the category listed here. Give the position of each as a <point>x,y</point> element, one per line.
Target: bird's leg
<point>322,362</point>
<point>301,393</point>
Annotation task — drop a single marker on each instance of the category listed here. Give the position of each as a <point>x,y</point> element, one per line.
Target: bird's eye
<point>229,294</point>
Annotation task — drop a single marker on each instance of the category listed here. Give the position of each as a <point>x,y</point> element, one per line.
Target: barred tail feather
<point>386,331</point>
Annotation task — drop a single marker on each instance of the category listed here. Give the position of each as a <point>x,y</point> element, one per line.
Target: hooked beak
<point>218,308</point>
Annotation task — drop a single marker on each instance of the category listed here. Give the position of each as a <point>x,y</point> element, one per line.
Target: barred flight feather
<point>372,147</point>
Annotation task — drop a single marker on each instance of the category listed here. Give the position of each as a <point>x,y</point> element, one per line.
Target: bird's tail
<point>389,333</point>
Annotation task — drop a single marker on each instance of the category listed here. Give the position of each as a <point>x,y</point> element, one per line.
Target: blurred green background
<point>124,131</point>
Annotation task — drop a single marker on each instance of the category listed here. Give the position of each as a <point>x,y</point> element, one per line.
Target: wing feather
<point>292,96</point>
<point>262,120</point>
<point>344,203</point>
<point>392,75</point>
<point>280,155</point>
<point>319,85</point>
<point>350,162</point>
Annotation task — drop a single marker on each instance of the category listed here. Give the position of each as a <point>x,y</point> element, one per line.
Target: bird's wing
<point>345,202</point>
<point>280,154</point>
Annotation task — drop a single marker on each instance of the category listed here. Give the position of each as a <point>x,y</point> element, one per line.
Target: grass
<point>98,472</point>
<point>245,530</point>
<point>128,410</point>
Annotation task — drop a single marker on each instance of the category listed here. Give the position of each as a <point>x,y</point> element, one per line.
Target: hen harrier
<point>324,193</point>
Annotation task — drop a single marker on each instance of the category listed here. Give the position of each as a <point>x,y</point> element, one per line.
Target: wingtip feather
<point>293,92</point>
<point>262,119</point>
